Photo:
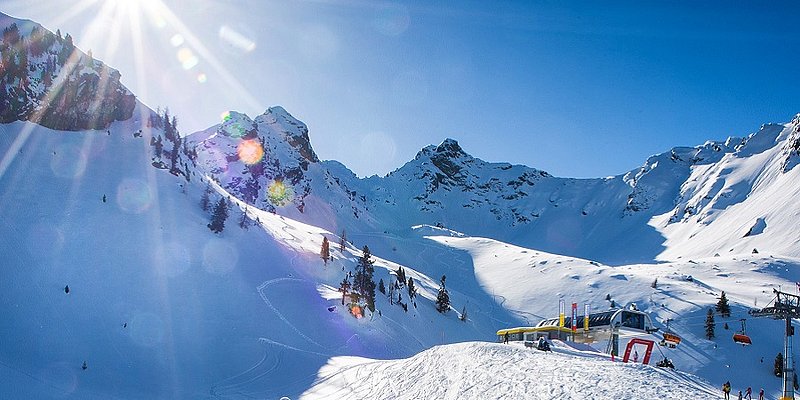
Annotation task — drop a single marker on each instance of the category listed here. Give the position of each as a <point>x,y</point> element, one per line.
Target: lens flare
<point>219,256</point>
<point>236,39</point>
<point>225,116</point>
<point>69,161</point>
<point>134,196</point>
<point>356,311</point>
<point>236,131</point>
<point>279,194</point>
<point>176,40</point>
<point>187,58</point>
<point>202,78</point>
<point>250,151</point>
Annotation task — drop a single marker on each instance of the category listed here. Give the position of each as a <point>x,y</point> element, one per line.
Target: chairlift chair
<point>740,337</point>
<point>670,339</point>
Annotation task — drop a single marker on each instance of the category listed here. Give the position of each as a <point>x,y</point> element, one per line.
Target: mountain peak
<point>237,125</point>
<point>450,148</point>
<point>293,130</point>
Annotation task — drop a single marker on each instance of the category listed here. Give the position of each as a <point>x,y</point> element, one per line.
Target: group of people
<point>748,394</point>
<point>542,344</point>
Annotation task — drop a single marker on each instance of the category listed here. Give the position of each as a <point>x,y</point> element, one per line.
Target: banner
<point>586,317</point>
<point>574,317</point>
<point>561,313</point>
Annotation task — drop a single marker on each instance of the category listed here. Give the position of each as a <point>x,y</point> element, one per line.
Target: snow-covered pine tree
<point>325,252</point>
<point>342,241</point>
<point>463,316</point>
<point>219,216</point>
<point>710,324</point>
<point>723,308</point>
<point>381,287</point>
<point>443,298</point>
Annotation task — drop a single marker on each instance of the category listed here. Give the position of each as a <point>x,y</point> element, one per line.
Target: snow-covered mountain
<point>159,306</point>
<point>687,202</point>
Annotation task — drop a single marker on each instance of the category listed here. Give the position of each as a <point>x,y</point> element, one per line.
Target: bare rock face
<point>45,79</point>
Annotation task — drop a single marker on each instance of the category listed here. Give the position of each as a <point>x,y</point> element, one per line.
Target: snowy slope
<point>685,291</point>
<point>156,297</point>
<point>497,371</point>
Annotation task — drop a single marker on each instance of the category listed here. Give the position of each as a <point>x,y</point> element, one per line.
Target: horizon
<point>578,91</point>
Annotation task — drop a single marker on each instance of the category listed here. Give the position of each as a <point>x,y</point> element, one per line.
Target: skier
<point>66,289</point>
<point>505,338</point>
<point>635,356</point>
<point>761,394</point>
<point>726,390</point>
<point>748,393</point>
<point>740,395</point>
<point>84,366</point>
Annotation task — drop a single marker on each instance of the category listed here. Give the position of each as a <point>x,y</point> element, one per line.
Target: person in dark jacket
<point>726,390</point>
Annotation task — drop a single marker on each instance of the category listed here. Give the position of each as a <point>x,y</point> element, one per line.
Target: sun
<point>135,4</point>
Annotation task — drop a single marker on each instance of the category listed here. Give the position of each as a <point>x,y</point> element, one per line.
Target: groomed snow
<point>478,370</point>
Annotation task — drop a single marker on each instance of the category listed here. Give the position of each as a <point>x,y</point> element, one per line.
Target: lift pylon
<point>785,306</point>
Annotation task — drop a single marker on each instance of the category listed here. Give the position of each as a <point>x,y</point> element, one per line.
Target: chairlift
<point>670,339</point>
<point>740,337</point>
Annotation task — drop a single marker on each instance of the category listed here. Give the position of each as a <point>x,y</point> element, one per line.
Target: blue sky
<point>578,89</point>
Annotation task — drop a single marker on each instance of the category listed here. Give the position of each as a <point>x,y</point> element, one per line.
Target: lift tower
<point>785,306</point>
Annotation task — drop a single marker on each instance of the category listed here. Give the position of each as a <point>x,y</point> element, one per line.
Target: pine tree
<point>608,297</point>
<point>325,253</point>
<point>362,281</point>
<point>654,285</point>
<point>381,287</point>
<point>723,308</point>
<point>710,324</point>
<point>401,276</point>
<point>244,222</point>
<point>219,216</point>
<point>342,241</point>
<point>463,316</point>
<point>443,298</point>
<point>344,287</point>
<point>412,290</point>
<point>205,201</point>
<point>778,369</point>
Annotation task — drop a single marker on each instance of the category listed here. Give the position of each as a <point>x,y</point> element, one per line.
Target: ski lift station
<point>605,327</point>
